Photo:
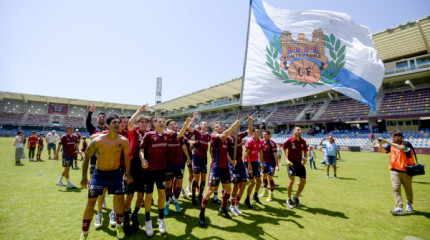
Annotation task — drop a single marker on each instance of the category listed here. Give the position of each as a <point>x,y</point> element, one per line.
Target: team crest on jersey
<point>165,138</point>
<point>303,62</point>
<point>92,192</point>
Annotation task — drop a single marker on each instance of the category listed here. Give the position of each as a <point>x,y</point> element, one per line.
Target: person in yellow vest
<point>400,157</point>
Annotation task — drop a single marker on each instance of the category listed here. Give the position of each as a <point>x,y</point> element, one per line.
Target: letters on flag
<point>292,54</point>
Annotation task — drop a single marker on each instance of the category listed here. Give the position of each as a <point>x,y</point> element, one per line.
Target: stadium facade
<point>402,102</point>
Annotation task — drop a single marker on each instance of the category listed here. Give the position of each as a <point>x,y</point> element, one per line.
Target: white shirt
<point>19,144</point>
<point>52,138</point>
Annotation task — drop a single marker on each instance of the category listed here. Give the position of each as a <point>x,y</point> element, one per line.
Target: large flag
<point>292,54</point>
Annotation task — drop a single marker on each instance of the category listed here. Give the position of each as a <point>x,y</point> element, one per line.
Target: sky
<point>113,51</point>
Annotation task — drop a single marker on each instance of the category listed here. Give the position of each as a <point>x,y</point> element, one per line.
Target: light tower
<point>158,90</point>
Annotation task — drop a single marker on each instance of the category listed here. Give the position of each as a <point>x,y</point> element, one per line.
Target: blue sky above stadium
<point>114,50</point>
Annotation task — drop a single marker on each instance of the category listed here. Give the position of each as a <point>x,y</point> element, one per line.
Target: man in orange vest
<point>400,157</point>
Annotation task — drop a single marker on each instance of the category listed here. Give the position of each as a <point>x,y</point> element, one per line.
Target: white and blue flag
<point>292,54</point>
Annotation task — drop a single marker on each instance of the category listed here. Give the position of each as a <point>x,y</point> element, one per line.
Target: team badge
<point>303,62</point>
<point>213,183</point>
<point>165,138</point>
<point>92,192</point>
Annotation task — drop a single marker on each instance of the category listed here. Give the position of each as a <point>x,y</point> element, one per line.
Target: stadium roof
<point>48,99</point>
<point>230,89</point>
<point>404,40</point>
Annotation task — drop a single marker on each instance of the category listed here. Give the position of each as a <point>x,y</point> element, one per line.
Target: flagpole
<point>243,77</point>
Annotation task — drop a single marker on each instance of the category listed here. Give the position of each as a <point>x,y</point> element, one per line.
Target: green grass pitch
<point>355,206</point>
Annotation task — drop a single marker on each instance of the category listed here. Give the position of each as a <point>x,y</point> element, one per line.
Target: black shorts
<point>39,149</point>
<point>297,169</point>
<point>256,170</point>
<point>175,172</point>
<point>137,184</point>
<point>68,161</point>
<point>154,176</point>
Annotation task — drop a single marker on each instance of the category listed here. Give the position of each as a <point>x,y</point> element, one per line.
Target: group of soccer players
<point>130,155</point>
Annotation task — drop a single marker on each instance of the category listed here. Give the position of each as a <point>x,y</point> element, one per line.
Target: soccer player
<point>109,148</point>
<point>69,143</point>
<point>190,145</point>
<point>101,126</point>
<point>219,169</point>
<point>52,139</point>
<point>135,136</point>
<point>175,164</point>
<point>31,145</point>
<point>253,152</point>
<point>202,139</point>
<point>331,151</point>
<point>153,155</point>
<point>297,148</point>
<point>39,147</point>
<point>270,164</point>
<point>79,136</point>
<point>84,147</point>
<point>238,171</point>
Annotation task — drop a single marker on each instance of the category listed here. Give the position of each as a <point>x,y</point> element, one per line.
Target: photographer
<point>400,157</point>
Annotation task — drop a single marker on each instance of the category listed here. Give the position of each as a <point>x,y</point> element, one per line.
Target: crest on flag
<point>304,62</point>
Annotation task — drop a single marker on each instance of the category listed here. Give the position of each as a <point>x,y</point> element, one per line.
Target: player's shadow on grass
<point>346,178</point>
<point>323,211</point>
<point>422,182</point>
<point>419,213</point>
<point>76,190</point>
<point>276,216</point>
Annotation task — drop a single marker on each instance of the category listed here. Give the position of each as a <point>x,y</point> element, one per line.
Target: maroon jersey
<point>40,143</point>
<point>230,140</point>
<point>32,141</point>
<point>295,148</point>
<point>79,136</point>
<point>174,150</point>
<point>254,147</point>
<point>201,146</point>
<point>269,151</point>
<point>135,137</point>
<point>155,146</point>
<point>219,151</point>
<point>68,142</point>
<point>84,146</point>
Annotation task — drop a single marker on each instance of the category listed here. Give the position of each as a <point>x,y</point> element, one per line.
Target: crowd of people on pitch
<point>127,156</point>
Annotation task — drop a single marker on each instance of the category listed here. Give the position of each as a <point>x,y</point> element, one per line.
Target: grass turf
<point>354,206</point>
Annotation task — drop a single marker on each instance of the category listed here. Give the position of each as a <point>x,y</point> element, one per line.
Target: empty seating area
<point>262,113</point>
<point>76,122</point>
<point>314,107</point>
<point>40,120</point>
<point>344,108</point>
<point>12,106</point>
<point>11,118</point>
<point>406,102</point>
<point>283,114</point>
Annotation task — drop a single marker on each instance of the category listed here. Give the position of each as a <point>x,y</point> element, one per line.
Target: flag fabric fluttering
<point>292,54</point>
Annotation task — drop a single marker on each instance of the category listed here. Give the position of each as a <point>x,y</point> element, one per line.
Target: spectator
<point>19,148</point>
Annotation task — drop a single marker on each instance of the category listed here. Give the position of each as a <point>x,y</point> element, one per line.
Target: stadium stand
<point>284,114</point>
<point>406,102</point>
<point>345,107</point>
